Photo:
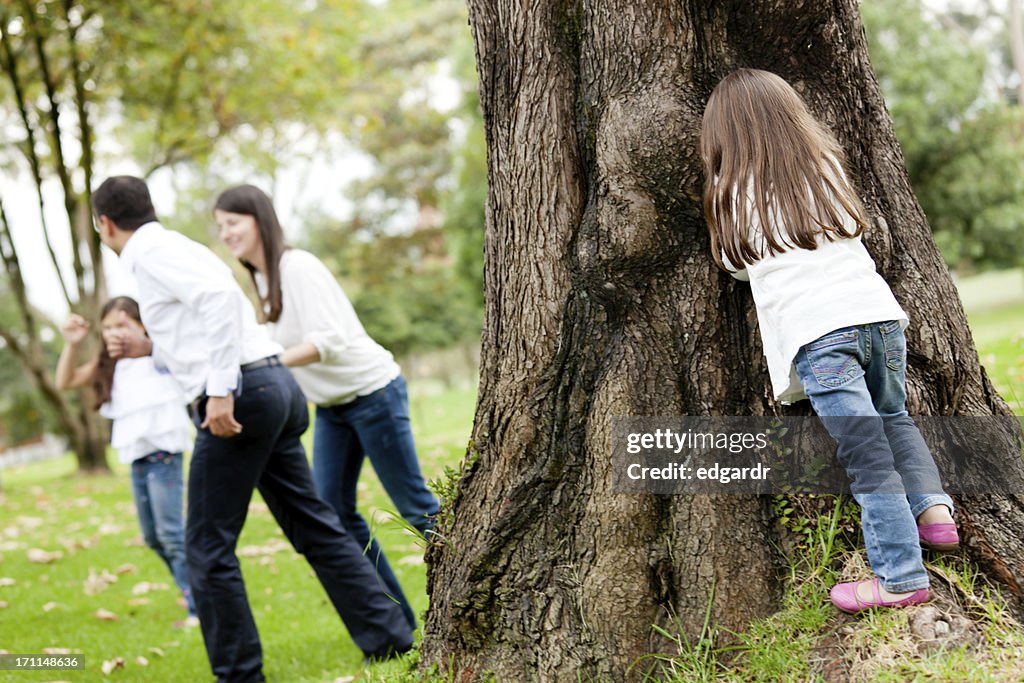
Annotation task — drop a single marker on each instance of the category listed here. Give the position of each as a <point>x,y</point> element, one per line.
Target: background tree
<point>163,84</point>
<point>411,251</point>
<point>954,110</point>
<point>601,300</point>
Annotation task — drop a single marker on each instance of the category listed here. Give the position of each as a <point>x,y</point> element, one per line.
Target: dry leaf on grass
<point>97,583</point>
<point>4,604</point>
<point>125,569</point>
<point>141,661</point>
<point>105,615</point>
<point>271,547</point>
<point>111,664</point>
<point>144,587</point>
<point>138,602</point>
<point>7,581</point>
<point>39,556</point>
<point>58,651</point>
<point>50,606</point>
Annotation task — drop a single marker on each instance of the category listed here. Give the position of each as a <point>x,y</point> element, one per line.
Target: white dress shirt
<point>314,309</point>
<point>801,295</point>
<point>202,325</point>
<point>148,411</point>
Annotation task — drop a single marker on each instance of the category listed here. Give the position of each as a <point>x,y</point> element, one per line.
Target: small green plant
<point>695,661</point>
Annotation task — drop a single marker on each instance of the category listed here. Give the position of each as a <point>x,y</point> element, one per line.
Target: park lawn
<point>999,336</point>
<point>90,521</point>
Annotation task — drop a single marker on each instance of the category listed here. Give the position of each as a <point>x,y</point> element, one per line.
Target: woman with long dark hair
<point>150,430</point>
<point>362,406</point>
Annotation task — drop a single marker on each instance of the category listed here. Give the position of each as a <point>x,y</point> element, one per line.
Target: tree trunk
<point>602,300</point>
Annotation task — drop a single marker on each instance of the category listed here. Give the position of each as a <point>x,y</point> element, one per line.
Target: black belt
<point>267,362</point>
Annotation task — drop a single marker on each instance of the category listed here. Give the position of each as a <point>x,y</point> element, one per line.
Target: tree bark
<point>602,300</point>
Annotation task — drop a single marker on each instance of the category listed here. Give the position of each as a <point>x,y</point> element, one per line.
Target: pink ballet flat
<point>844,596</point>
<point>941,536</point>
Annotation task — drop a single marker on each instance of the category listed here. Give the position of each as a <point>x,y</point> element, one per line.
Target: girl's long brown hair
<point>767,161</point>
<point>103,375</point>
<point>252,201</point>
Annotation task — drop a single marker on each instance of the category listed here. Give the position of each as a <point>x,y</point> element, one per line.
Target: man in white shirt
<point>251,415</point>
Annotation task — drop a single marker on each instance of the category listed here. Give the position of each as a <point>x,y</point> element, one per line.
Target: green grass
<point>995,310</point>
<point>90,520</point>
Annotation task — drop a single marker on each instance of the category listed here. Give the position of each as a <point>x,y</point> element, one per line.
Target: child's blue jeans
<point>157,487</point>
<point>856,380</point>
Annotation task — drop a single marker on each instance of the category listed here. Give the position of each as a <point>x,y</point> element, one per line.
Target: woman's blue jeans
<point>157,487</point>
<point>375,426</point>
<point>856,380</point>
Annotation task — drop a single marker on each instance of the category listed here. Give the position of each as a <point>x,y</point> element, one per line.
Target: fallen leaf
<point>7,581</point>
<point>271,547</point>
<point>125,569</point>
<point>111,664</point>
<point>105,615</point>
<point>141,661</point>
<point>39,556</point>
<point>411,560</point>
<point>4,604</point>
<point>138,602</point>
<point>157,651</point>
<point>58,651</point>
<point>50,606</point>
<point>97,583</point>
<point>144,587</point>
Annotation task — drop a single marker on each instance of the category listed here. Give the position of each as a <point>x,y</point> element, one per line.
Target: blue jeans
<point>376,425</point>
<point>856,380</point>
<point>157,487</point>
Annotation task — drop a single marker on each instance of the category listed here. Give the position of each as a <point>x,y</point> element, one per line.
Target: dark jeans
<point>269,456</point>
<point>157,487</point>
<point>375,426</point>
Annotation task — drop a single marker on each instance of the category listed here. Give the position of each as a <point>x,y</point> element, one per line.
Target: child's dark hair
<point>103,376</point>
<point>125,200</point>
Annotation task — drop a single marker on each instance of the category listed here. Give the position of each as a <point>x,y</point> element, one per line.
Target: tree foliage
<point>412,252</point>
<point>962,138</point>
<point>88,83</point>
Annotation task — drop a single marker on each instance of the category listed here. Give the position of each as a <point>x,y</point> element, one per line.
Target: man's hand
<point>129,341</point>
<point>220,416</point>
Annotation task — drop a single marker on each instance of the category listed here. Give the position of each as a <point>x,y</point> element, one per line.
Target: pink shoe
<point>941,536</point>
<point>844,596</point>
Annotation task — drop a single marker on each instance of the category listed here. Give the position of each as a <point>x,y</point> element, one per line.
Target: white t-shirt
<point>148,411</point>
<point>315,309</point>
<point>802,295</point>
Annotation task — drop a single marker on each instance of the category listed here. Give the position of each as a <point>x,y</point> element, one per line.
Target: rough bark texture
<point>602,300</point>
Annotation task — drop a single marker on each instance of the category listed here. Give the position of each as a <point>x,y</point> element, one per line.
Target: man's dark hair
<point>125,200</point>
